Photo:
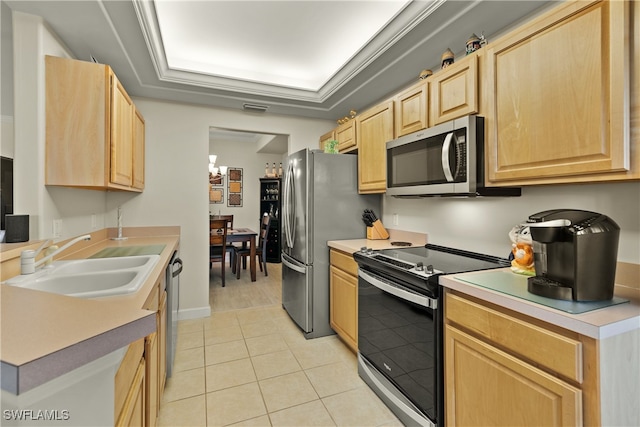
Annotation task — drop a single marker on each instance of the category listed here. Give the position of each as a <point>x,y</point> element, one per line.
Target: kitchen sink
<point>100,264</point>
<point>90,278</point>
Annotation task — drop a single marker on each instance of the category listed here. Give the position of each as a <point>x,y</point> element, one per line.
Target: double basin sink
<point>90,278</point>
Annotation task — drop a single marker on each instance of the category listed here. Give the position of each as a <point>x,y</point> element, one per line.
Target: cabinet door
<point>485,386</point>
<point>344,302</point>
<point>76,104</point>
<point>557,95</point>
<point>125,378</point>
<point>346,137</point>
<point>411,109</point>
<point>162,342</point>
<point>454,91</point>
<point>121,134</point>
<point>138,149</point>
<point>374,129</point>
<point>133,412</point>
<point>327,137</point>
<point>152,382</point>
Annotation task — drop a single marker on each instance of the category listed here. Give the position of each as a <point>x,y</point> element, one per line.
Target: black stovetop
<point>447,260</point>
<point>427,262</point>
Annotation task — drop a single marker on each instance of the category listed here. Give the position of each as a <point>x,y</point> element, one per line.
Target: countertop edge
<point>40,371</point>
<point>19,377</point>
<point>575,323</point>
<point>354,245</point>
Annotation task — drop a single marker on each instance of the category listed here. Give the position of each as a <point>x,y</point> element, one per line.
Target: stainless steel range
<point>400,343</point>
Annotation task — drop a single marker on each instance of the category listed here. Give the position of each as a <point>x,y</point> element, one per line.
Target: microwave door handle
<point>445,157</point>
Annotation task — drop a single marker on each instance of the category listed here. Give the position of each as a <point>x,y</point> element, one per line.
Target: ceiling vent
<point>255,108</point>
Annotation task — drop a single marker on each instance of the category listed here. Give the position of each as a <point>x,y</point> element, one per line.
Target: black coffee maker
<point>575,254</point>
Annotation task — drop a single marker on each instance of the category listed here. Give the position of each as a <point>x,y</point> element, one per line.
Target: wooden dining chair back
<point>261,248</point>
<point>228,218</point>
<point>218,244</point>
<point>230,249</point>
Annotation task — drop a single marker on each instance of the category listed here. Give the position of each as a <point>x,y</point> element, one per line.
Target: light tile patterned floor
<point>249,365</point>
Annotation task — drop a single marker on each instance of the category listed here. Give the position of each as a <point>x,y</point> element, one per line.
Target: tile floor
<point>249,365</point>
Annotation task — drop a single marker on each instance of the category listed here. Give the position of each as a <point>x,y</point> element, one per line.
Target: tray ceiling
<point>308,58</point>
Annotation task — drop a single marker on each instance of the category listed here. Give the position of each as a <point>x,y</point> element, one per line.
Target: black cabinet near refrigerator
<point>270,192</point>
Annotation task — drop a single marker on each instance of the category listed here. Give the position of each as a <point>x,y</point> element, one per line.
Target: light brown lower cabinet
<point>151,351</point>
<point>130,387</point>
<point>504,368</point>
<point>343,284</point>
<point>133,413</point>
<point>162,343</point>
<point>152,402</point>
<point>490,387</point>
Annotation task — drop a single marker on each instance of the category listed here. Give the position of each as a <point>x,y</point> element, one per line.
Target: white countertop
<point>598,324</point>
<point>44,335</point>
<point>354,245</point>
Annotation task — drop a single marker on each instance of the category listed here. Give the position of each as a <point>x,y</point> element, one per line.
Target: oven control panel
<point>417,268</point>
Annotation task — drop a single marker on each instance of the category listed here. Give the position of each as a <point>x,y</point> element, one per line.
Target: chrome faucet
<point>28,262</point>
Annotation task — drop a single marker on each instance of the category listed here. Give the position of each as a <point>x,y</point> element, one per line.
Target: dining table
<point>244,236</point>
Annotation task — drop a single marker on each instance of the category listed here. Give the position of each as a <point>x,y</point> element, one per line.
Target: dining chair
<point>228,218</point>
<point>261,248</point>
<point>230,247</point>
<point>218,244</point>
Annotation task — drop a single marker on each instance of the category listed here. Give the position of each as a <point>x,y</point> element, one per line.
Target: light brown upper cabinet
<point>411,109</point>
<point>93,130</point>
<point>374,128</point>
<point>138,150</point>
<point>454,91</point>
<point>329,136</point>
<point>558,97</point>
<point>346,137</point>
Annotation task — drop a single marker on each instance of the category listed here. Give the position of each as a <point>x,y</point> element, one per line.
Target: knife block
<point>377,231</point>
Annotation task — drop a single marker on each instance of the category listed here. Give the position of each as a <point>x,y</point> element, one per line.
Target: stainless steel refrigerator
<point>320,203</point>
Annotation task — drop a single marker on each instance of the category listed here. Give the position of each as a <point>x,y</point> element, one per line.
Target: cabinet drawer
<point>344,262</point>
<point>556,352</point>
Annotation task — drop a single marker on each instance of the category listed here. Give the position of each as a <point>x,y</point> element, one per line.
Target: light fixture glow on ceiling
<point>299,44</point>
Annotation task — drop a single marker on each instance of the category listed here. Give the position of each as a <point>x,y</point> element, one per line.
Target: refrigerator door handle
<point>285,205</point>
<point>293,266</point>
<point>290,206</point>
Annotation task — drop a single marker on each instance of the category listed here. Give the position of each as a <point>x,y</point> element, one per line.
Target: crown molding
<point>407,19</point>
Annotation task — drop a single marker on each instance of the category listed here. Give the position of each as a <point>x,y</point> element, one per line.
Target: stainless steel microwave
<point>444,160</point>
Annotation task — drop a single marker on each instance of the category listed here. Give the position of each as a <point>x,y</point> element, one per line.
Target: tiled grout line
<point>275,317</point>
<point>204,372</point>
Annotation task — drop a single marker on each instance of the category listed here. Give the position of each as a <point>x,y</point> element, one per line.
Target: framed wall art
<point>234,187</point>
<point>216,195</point>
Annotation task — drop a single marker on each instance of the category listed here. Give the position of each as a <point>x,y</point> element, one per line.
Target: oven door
<point>399,345</point>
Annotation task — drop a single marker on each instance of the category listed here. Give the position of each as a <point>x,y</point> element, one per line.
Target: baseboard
<point>194,313</point>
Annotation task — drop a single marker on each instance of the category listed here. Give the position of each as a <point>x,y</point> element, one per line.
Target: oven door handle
<point>400,293</point>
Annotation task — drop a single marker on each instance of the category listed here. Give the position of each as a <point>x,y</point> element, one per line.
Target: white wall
<point>176,165</point>
<point>6,136</point>
<point>176,188</point>
<point>242,155</point>
<point>6,82</point>
<point>482,224</point>
<point>32,41</point>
